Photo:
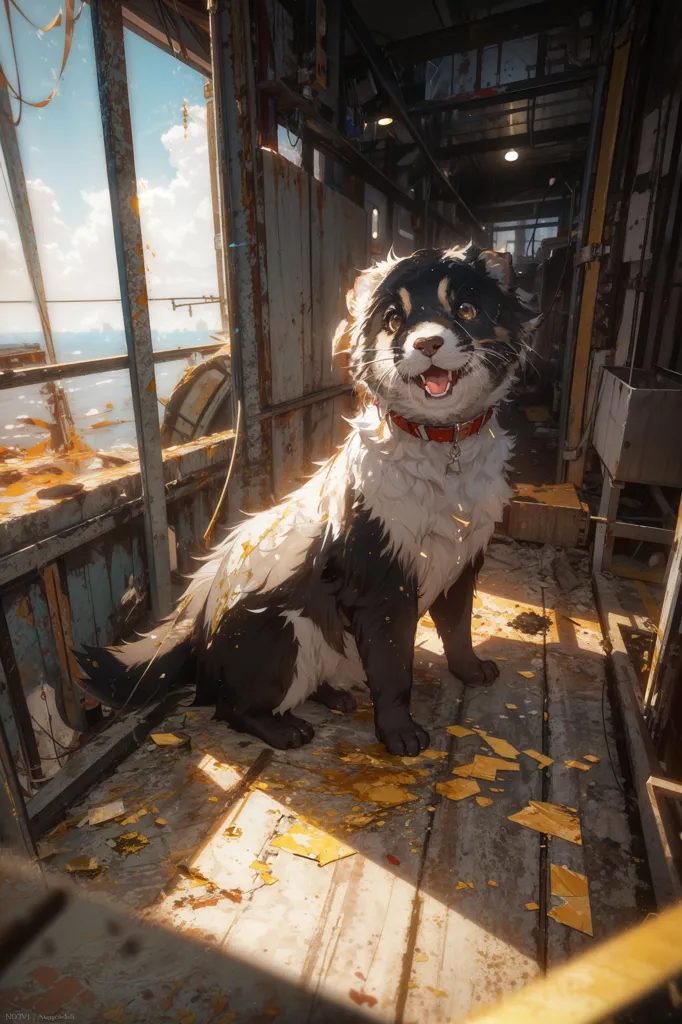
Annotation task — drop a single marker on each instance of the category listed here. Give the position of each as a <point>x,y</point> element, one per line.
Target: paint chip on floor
<point>459,731</point>
<point>502,747</point>
<point>264,872</point>
<point>483,801</point>
<point>105,812</point>
<point>526,674</point>
<point>573,888</point>
<point>542,759</point>
<point>552,819</point>
<point>458,789</point>
<point>577,764</point>
<point>304,840</point>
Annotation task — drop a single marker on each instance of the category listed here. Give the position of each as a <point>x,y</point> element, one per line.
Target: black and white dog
<point>326,589</point>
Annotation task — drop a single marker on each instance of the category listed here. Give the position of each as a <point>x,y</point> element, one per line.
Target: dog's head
<point>438,335</point>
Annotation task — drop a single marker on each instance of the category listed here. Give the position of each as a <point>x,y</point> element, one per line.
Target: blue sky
<point>61,147</point>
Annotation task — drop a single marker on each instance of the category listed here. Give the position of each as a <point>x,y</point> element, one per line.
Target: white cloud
<point>78,259</point>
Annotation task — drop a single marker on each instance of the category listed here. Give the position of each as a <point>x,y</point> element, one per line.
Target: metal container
<point>638,425</point>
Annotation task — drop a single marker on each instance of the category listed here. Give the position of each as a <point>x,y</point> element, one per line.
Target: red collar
<point>450,434</point>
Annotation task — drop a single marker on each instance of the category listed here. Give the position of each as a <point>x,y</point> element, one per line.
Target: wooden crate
<point>548,514</point>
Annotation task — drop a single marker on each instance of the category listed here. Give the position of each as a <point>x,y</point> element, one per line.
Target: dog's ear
<point>341,339</point>
<point>359,297</point>
<point>498,266</point>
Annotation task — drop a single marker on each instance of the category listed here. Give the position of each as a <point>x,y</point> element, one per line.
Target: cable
<point>221,499</point>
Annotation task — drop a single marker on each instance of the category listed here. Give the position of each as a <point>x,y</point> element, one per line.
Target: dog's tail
<point>134,674</point>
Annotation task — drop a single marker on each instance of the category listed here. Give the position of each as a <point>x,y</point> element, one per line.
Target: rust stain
<point>135,205</point>
<point>24,611</point>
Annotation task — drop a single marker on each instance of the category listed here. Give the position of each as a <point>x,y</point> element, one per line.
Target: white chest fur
<point>436,517</point>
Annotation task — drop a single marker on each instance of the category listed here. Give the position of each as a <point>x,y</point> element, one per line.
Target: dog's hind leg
<point>283,732</point>
<point>451,613</point>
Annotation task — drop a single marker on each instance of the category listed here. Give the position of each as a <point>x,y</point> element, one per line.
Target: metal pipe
<point>107,29</point>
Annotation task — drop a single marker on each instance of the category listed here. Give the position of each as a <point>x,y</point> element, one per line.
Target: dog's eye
<point>393,321</point>
<point>467,311</point>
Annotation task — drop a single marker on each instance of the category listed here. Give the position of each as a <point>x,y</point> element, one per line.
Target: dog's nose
<point>429,346</point>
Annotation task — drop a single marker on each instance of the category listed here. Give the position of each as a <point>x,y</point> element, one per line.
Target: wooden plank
<point>473,944</point>
<point>60,618</point>
<point>579,718</point>
<point>338,232</point>
<point>30,632</point>
<point>286,193</point>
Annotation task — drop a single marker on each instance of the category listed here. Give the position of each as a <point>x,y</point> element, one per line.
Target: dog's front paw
<point>405,738</point>
<point>337,700</point>
<point>475,672</point>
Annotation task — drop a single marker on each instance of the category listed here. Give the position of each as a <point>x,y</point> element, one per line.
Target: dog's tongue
<point>436,380</point>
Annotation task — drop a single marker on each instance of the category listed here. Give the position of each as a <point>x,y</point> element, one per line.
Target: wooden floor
<point>389,932</point>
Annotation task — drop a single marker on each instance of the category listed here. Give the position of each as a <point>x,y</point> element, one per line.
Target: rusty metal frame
<point>107,27</point>
<point>25,376</point>
<point>573,404</point>
<point>186,468</point>
<point>22,210</point>
<point>240,182</point>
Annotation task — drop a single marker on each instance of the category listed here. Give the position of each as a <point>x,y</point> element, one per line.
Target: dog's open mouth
<point>437,382</point>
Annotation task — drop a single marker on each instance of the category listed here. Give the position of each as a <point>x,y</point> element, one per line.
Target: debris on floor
<point>340,836</point>
<point>573,888</point>
<point>551,819</point>
<point>305,841</point>
<point>542,759</point>
<point>458,789</point>
<point>176,740</point>
<point>98,815</point>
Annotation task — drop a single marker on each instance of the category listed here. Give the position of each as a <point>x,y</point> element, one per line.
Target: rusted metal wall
<point>316,243</point>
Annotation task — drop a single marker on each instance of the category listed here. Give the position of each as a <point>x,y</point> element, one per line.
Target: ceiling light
<point>385,121</point>
<point>511,155</point>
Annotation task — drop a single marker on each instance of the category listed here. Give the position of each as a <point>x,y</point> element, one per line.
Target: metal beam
<point>86,367</point>
<point>575,413</point>
<point>525,21</point>
<point>548,137</point>
<point>57,400</point>
<point>107,27</point>
<point>497,94</point>
<point>388,83</point>
<point>240,180</point>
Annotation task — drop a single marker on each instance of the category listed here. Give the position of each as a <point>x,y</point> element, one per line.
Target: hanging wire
<point>71,20</point>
